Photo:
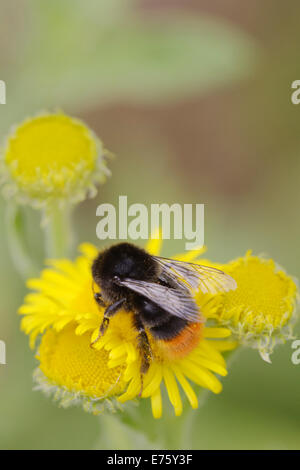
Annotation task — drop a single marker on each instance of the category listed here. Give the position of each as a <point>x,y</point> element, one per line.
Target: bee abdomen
<point>184,342</point>
<point>169,328</point>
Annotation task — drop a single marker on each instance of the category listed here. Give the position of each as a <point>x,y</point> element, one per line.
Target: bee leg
<point>145,349</point>
<point>99,300</point>
<point>109,312</point>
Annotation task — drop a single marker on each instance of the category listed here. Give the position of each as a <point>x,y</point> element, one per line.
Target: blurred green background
<point>194,99</point>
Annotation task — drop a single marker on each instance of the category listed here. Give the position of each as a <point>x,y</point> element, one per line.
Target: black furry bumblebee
<point>159,293</point>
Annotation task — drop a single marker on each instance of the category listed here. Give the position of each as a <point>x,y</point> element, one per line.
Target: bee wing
<point>190,276</point>
<point>177,302</point>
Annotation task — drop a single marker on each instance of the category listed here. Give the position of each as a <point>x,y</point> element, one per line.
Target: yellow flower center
<point>54,142</point>
<point>67,360</point>
<point>53,156</point>
<point>264,299</point>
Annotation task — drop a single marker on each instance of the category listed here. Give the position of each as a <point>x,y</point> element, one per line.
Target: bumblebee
<point>160,294</point>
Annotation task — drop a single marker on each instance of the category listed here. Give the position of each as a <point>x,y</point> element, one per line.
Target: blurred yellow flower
<point>64,311</point>
<point>52,157</point>
<point>262,311</point>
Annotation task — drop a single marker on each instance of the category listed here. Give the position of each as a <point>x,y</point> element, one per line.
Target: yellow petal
<point>202,377</point>
<point>186,387</point>
<point>157,374</point>
<point>216,332</point>
<point>156,404</point>
<point>153,246</point>
<point>172,389</point>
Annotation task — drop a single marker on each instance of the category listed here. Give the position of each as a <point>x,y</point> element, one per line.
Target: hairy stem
<point>58,233</point>
<point>118,435</point>
<point>15,226</point>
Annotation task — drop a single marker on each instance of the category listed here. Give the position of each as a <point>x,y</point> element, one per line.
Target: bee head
<point>123,261</point>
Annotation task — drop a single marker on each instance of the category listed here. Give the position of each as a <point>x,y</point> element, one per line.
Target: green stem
<point>15,226</point>
<point>58,234</point>
<point>186,434</point>
<point>116,434</point>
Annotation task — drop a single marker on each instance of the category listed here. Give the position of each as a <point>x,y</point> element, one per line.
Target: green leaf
<point>75,55</point>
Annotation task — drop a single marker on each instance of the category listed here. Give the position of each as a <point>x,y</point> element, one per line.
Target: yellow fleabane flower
<point>263,309</point>
<point>52,158</point>
<point>64,311</point>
